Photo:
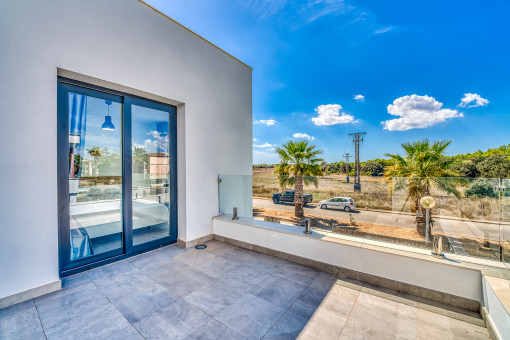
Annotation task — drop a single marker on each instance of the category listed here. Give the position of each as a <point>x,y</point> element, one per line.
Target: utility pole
<point>347,155</point>
<point>356,137</point>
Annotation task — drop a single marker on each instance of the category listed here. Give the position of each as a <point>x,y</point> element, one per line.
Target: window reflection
<point>151,171</point>
<point>95,175</point>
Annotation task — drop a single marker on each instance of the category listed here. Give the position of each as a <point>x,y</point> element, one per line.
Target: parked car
<point>345,203</point>
<point>288,196</point>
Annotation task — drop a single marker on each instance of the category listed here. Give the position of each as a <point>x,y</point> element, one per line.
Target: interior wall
<point>127,43</point>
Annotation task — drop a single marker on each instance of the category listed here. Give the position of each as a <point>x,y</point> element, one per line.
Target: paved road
<point>464,228</point>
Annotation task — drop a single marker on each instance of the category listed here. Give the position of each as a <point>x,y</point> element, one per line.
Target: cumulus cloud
<point>331,114</point>
<point>473,100</point>
<point>417,112</point>
<point>158,142</point>
<point>255,139</point>
<point>267,122</point>
<point>303,135</point>
<point>265,145</point>
<point>383,30</point>
<point>359,98</point>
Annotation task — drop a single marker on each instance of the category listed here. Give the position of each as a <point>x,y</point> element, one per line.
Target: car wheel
<point>276,200</point>
<point>347,209</point>
<point>323,206</point>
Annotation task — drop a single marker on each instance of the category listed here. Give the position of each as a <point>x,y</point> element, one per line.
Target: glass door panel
<point>150,174</point>
<point>95,176</point>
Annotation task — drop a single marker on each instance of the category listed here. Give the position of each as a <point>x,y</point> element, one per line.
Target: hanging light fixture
<point>108,125</point>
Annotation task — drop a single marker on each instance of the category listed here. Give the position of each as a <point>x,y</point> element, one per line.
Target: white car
<point>345,203</point>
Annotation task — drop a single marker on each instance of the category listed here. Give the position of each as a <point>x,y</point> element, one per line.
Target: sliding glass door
<point>116,175</point>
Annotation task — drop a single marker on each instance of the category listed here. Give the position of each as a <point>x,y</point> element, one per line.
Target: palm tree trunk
<point>421,214</point>
<point>298,197</point>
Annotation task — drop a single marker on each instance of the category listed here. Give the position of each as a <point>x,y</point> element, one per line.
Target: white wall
<point>123,42</point>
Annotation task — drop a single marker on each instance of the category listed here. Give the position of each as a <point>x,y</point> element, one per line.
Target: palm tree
<point>95,152</point>
<point>299,165</point>
<point>140,158</point>
<point>423,166</point>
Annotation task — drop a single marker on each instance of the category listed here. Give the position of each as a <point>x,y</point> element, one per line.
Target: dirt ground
<point>391,234</point>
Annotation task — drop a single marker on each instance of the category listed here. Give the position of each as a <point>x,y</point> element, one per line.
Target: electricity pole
<point>347,155</point>
<point>356,137</point>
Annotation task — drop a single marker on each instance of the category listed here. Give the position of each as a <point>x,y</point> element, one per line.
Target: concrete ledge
<point>29,294</point>
<point>452,281</point>
<point>496,300</point>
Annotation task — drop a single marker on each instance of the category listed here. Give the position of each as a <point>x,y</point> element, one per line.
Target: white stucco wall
<point>123,42</point>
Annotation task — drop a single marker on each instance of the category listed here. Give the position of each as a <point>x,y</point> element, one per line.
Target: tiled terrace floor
<point>225,292</point>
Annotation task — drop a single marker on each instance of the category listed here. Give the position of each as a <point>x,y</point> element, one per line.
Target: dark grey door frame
<point>66,266</point>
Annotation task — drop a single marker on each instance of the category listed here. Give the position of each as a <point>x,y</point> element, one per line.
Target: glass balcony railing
<point>471,215</point>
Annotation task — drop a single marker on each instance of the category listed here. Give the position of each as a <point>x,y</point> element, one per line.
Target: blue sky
<point>412,61</point>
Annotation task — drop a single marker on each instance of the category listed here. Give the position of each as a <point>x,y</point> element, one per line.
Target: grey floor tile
<point>265,262</point>
<point>246,275</point>
<point>143,303</point>
<point>128,333</point>
<point>118,268</point>
<point>218,248</point>
<point>194,257</point>
<point>37,336</point>
<point>335,308</point>
<point>437,326</point>
<point>175,322</point>
<point>278,291</point>
<point>213,330</point>
<point>67,307</point>
<point>374,317</point>
<point>288,327</point>
<point>165,270</point>
<point>148,259</point>
<point>70,285</point>
<point>250,316</point>
<point>187,282</point>
<point>317,331</point>
<point>390,294</point>
<point>211,300</point>
<point>218,266</point>
<point>240,254</point>
<point>324,281</point>
<point>308,302</point>
<point>124,285</point>
<point>101,323</point>
<point>174,250</point>
<point>299,273</point>
<point>19,321</point>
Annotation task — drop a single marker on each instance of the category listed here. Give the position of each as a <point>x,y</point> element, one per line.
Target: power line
<point>356,138</point>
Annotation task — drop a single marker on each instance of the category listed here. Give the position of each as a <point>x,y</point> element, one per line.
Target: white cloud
<point>267,122</point>
<point>158,143</point>
<point>417,112</point>
<point>474,99</point>
<point>359,98</point>
<point>298,13</point>
<point>383,30</point>
<point>255,139</point>
<point>330,115</point>
<point>303,135</point>
<point>265,145</point>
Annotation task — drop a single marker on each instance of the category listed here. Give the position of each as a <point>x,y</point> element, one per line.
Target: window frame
<point>66,266</point>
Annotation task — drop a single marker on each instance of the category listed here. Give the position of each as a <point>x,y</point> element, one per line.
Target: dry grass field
<point>375,195</point>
